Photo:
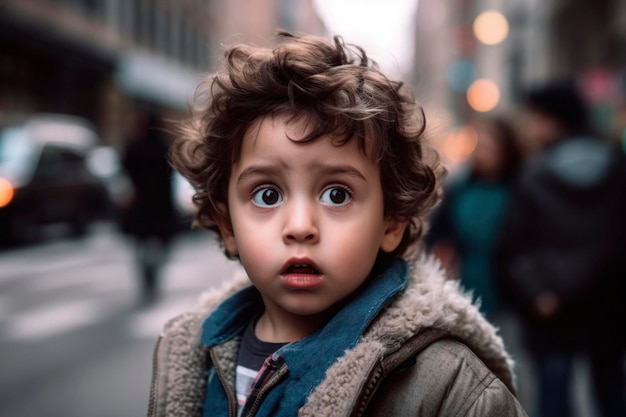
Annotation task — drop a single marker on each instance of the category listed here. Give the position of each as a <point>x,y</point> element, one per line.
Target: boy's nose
<point>300,223</point>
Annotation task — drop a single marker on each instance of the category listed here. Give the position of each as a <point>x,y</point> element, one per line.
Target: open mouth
<point>300,266</point>
<point>301,274</point>
<point>302,269</point>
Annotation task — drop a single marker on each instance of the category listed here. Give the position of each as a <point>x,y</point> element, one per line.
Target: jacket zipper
<point>275,369</point>
<point>368,392</point>
<point>232,401</point>
<point>154,386</point>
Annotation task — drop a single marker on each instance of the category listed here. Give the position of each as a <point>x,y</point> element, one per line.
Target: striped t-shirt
<point>252,354</point>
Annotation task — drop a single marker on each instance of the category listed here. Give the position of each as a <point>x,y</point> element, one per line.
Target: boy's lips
<point>301,273</point>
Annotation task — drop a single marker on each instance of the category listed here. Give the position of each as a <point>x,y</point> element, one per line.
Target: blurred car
<point>183,193</point>
<point>45,177</point>
<point>105,163</point>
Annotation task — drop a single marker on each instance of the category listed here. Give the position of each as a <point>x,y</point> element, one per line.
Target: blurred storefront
<point>104,59</point>
<point>51,62</point>
<point>99,60</point>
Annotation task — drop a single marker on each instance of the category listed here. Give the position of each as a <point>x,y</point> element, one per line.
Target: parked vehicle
<point>45,178</point>
<point>183,195</point>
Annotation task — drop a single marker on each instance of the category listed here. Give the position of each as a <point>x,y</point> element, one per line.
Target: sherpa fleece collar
<point>430,300</point>
<point>309,358</point>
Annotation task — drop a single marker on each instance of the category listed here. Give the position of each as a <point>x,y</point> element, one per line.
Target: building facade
<point>104,59</point>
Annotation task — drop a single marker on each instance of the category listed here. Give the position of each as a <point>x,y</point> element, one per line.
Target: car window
<point>60,166</point>
<point>16,148</point>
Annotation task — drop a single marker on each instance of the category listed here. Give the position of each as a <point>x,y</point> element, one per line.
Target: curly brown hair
<point>339,91</point>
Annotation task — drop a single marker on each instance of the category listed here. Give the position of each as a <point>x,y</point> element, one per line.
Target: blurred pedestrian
<point>561,259</point>
<point>151,218</point>
<point>465,227</point>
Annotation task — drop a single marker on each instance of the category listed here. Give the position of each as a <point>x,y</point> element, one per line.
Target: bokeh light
<point>491,27</point>
<point>458,145</point>
<point>6,192</point>
<point>460,75</point>
<point>483,95</point>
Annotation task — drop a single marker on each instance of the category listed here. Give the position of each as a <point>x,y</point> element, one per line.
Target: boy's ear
<point>226,230</point>
<point>393,234</point>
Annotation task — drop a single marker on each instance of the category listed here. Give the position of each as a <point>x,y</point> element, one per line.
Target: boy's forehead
<point>296,129</point>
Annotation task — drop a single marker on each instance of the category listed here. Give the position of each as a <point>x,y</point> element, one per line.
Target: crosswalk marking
<point>5,305</point>
<point>26,267</point>
<point>64,255</point>
<point>48,283</point>
<point>54,319</point>
<point>149,323</point>
<point>52,290</point>
<point>109,278</point>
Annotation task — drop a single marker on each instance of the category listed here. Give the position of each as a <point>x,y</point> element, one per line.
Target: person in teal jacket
<point>311,168</point>
<point>465,228</point>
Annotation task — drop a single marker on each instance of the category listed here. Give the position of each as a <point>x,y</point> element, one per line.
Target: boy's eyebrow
<point>257,170</point>
<point>330,170</point>
<point>319,170</point>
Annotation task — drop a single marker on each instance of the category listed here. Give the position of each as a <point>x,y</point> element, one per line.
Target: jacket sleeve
<point>447,379</point>
<point>495,400</point>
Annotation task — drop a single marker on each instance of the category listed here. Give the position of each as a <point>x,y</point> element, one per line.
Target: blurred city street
<point>75,339</point>
<point>94,94</point>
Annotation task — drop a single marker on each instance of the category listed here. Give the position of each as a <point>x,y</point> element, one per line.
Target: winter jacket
<point>566,234</point>
<point>467,373</point>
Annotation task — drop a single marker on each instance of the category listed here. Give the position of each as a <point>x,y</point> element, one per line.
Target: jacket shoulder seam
<point>483,379</point>
<point>475,394</point>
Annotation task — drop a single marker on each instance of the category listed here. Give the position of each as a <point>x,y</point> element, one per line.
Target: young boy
<point>310,166</point>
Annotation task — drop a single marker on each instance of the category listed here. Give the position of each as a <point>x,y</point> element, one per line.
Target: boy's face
<point>306,218</point>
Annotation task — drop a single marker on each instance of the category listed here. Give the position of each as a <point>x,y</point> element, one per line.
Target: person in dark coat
<point>151,218</point>
<point>561,258</point>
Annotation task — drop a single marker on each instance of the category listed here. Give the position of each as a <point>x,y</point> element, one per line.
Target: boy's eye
<point>336,196</point>
<point>266,196</point>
